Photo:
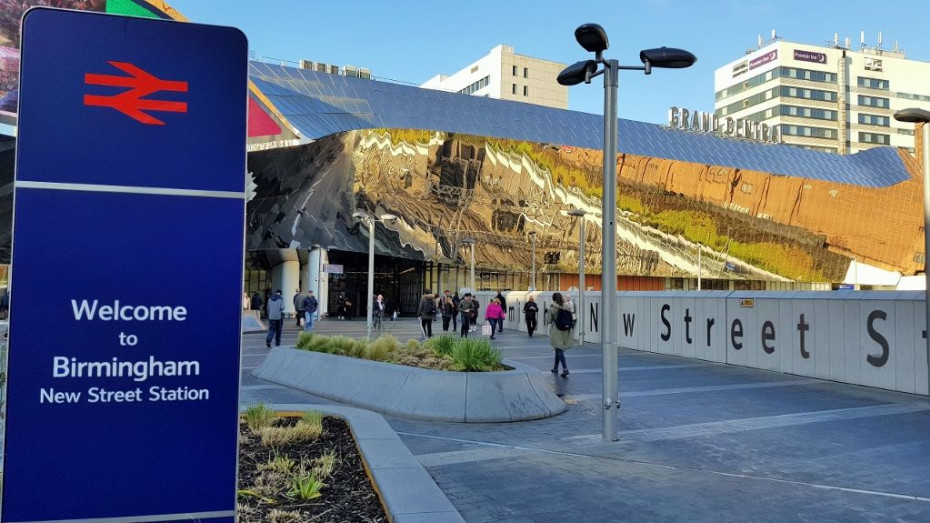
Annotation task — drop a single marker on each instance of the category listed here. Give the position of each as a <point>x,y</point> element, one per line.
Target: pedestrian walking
<point>503,303</point>
<point>298,306</point>
<point>448,312</point>
<point>311,306</point>
<point>495,315</point>
<point>455,302</point>
<point>275,319</point>
<point>466,306</point>
<point>530,310</point>
<point>246,301</point>
<point>476,307</point>
<point>427,313</point>
<point>256,303</point>
<point>561,326</point>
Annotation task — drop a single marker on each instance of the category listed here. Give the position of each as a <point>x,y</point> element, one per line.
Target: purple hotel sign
<point>807,56</point>
<point>764,59</point>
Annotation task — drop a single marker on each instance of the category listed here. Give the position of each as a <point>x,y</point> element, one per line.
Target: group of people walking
<point>452,309</point>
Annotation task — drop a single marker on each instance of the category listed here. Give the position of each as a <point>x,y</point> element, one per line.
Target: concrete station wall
<point>871,338</point>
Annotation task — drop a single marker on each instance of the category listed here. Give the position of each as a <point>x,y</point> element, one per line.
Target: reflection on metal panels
<point>447,187</point>
<point>320,105</point>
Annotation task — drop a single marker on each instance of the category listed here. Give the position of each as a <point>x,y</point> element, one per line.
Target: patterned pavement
<point>699,441</point>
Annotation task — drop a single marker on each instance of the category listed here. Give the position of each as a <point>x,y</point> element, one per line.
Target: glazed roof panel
<point>321,104</point>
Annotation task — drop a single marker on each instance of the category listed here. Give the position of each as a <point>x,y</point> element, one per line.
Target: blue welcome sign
<point>127,270</point>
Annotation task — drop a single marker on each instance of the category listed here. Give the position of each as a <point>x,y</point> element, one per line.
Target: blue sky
<point>413,41</point>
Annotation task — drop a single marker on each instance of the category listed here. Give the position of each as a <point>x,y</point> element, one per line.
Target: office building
<point>506,75</point>
<point>832,98</point>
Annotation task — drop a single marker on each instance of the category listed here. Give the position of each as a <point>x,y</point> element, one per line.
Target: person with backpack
<point>561,320</point>
<point>427,313</point>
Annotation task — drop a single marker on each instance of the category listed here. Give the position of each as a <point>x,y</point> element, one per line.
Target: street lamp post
<point>593,39</point>
<point>914,115</point>
<point>533,272</point>
<point>364,217</point>
<point>471,243</point>
<point>578,213</point>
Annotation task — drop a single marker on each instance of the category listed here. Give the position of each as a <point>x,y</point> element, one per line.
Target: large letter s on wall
<point>875,335</point>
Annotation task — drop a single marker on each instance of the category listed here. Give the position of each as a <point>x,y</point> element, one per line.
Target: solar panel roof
<point>321,104</point>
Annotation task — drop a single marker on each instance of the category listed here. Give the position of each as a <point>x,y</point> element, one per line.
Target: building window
<point>809,94</point>
<point>813,132</point>
<point>909,96</point>
<point>514,89</point>
<point>808,112</point>
<point>526,73</point>
<point>873,101</point>
<point>807,74</point>
<point>878,139</point>
<point>905,132</point>
<point>526,90</point>
<point>874,119</point>
<point>480,84</point>
<point>515,70</point>
<point>872,83</point>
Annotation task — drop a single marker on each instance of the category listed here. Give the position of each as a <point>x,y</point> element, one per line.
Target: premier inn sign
<point>698,121</point>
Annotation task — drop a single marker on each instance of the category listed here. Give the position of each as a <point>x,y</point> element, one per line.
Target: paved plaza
<point>699,441</point>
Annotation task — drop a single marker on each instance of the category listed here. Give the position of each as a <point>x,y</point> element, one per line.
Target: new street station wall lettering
<point>865,338</point>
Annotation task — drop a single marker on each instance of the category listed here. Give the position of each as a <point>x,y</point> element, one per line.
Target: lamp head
<point>360,215</point>
<point>912,115</point>
<point>592,38</point>
<point>667,57</point>
<point>578,72</point>
<point>576,212</point>
<point>468,241</point>
<point>389,218</point>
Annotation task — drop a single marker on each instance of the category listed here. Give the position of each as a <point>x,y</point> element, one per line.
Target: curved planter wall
<point>512,395</point>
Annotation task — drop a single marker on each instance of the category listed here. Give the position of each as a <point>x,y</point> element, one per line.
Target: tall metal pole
<point>699,267</point>
<point>581,284</point>
<point>926,165</point>
<point>371,272</point>
<point>473,289</point>
<point>533,273</point>
<point>610,303</point>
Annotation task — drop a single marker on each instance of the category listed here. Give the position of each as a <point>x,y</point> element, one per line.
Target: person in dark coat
<point>256,304</point>
<point>427,313</point>
<point>530,310</point>
<point>298,307</point>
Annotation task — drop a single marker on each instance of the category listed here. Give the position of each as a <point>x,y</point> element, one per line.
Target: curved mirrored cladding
<point>446,187</point>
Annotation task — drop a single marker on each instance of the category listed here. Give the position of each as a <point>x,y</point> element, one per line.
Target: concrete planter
<point>470,397</point>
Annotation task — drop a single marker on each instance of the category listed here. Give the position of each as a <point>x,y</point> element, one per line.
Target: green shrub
<point>358,349</point>
<point>258,417</point>
<point>382,348</point>
<point>412,345</point>
<point>314,418</point>
<point>305,487</point>
<point>341,345</point>
<point>304,339</point>
<point>475,355</point>
<point>441,345</point>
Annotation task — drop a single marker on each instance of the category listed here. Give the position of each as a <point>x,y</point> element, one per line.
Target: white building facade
<point>831,99</point>
<point>505,75</point>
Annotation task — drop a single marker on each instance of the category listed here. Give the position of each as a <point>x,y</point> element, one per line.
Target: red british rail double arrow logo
<point>131,102</point>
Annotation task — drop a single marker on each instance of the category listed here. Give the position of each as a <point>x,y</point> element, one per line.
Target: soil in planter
<point>347,496</point>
